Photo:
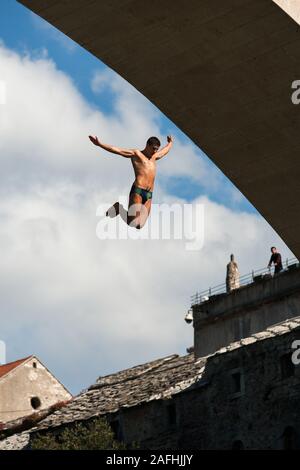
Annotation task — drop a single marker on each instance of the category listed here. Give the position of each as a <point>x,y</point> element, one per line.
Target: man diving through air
<point>144,165</point>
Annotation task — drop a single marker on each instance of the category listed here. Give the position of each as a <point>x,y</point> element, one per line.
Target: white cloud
<point>86,306</point>
<point>2,92</point>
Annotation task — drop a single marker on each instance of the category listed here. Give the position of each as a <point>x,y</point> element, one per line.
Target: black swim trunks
<point>146,195</point>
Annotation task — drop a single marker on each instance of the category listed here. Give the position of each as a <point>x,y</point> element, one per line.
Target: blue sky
<point>88,307</point>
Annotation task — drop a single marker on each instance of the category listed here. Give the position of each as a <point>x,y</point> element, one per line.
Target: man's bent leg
<point>117,209</point>
<point>137,214</point>
<point>113,211</point>
<point>145,213</point>
<point>134,206</point>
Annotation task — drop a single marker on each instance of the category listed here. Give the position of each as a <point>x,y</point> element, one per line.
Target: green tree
<point>96,435</point>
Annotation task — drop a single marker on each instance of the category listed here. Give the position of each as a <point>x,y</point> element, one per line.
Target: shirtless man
<point>144,165</point>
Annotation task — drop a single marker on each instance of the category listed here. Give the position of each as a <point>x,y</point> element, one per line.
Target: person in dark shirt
<point>276,259</point>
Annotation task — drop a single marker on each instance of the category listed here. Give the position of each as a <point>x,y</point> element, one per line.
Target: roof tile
<point>5,368</point>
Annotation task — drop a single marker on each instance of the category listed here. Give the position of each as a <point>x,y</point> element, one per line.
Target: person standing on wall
<point>276,259</point>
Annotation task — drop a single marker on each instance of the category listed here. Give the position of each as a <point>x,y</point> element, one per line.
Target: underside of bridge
<point>222,71</point>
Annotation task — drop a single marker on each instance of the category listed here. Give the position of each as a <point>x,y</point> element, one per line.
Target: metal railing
<point>246,279</point>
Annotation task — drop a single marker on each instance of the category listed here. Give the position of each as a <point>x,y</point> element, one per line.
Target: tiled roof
<point>157,379</point>
<point>5,368</point>
<point>15,442</point>
<point>154,380</point>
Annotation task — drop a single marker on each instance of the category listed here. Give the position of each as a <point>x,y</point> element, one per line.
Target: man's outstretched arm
<point>127,153</point>
<point>161,153</point>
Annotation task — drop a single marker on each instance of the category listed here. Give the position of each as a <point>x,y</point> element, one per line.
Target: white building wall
<point>21,384</point>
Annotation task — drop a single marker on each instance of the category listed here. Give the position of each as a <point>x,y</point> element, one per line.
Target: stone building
<point>225,318</point>
<point>242,394</point>
<point>26,386</point>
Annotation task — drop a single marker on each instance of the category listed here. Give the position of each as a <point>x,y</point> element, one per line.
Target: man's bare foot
<point>113,211</point>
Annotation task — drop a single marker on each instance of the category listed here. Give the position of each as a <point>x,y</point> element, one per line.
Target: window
<point>35,402</point>
<point>237,385</point>
<point>171,414</point>
<point>34,365</point>
<point>236,382</point>
<point>286,365</point>
<point>236,330</point>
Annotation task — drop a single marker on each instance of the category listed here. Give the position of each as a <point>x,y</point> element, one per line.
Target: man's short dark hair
<point>153,141</point>
<point>273,247</point>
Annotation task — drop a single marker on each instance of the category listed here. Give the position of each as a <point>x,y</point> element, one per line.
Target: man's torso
<point>145,171</point>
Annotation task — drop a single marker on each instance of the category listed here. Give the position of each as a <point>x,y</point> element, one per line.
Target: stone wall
<point>245,311</point>
<point>248,398</point>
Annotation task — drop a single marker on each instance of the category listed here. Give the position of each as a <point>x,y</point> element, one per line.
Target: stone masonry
<point>245,395</point>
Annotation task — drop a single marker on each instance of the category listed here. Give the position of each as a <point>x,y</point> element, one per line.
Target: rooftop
<point>5,368</point>
<point>154,380</point>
